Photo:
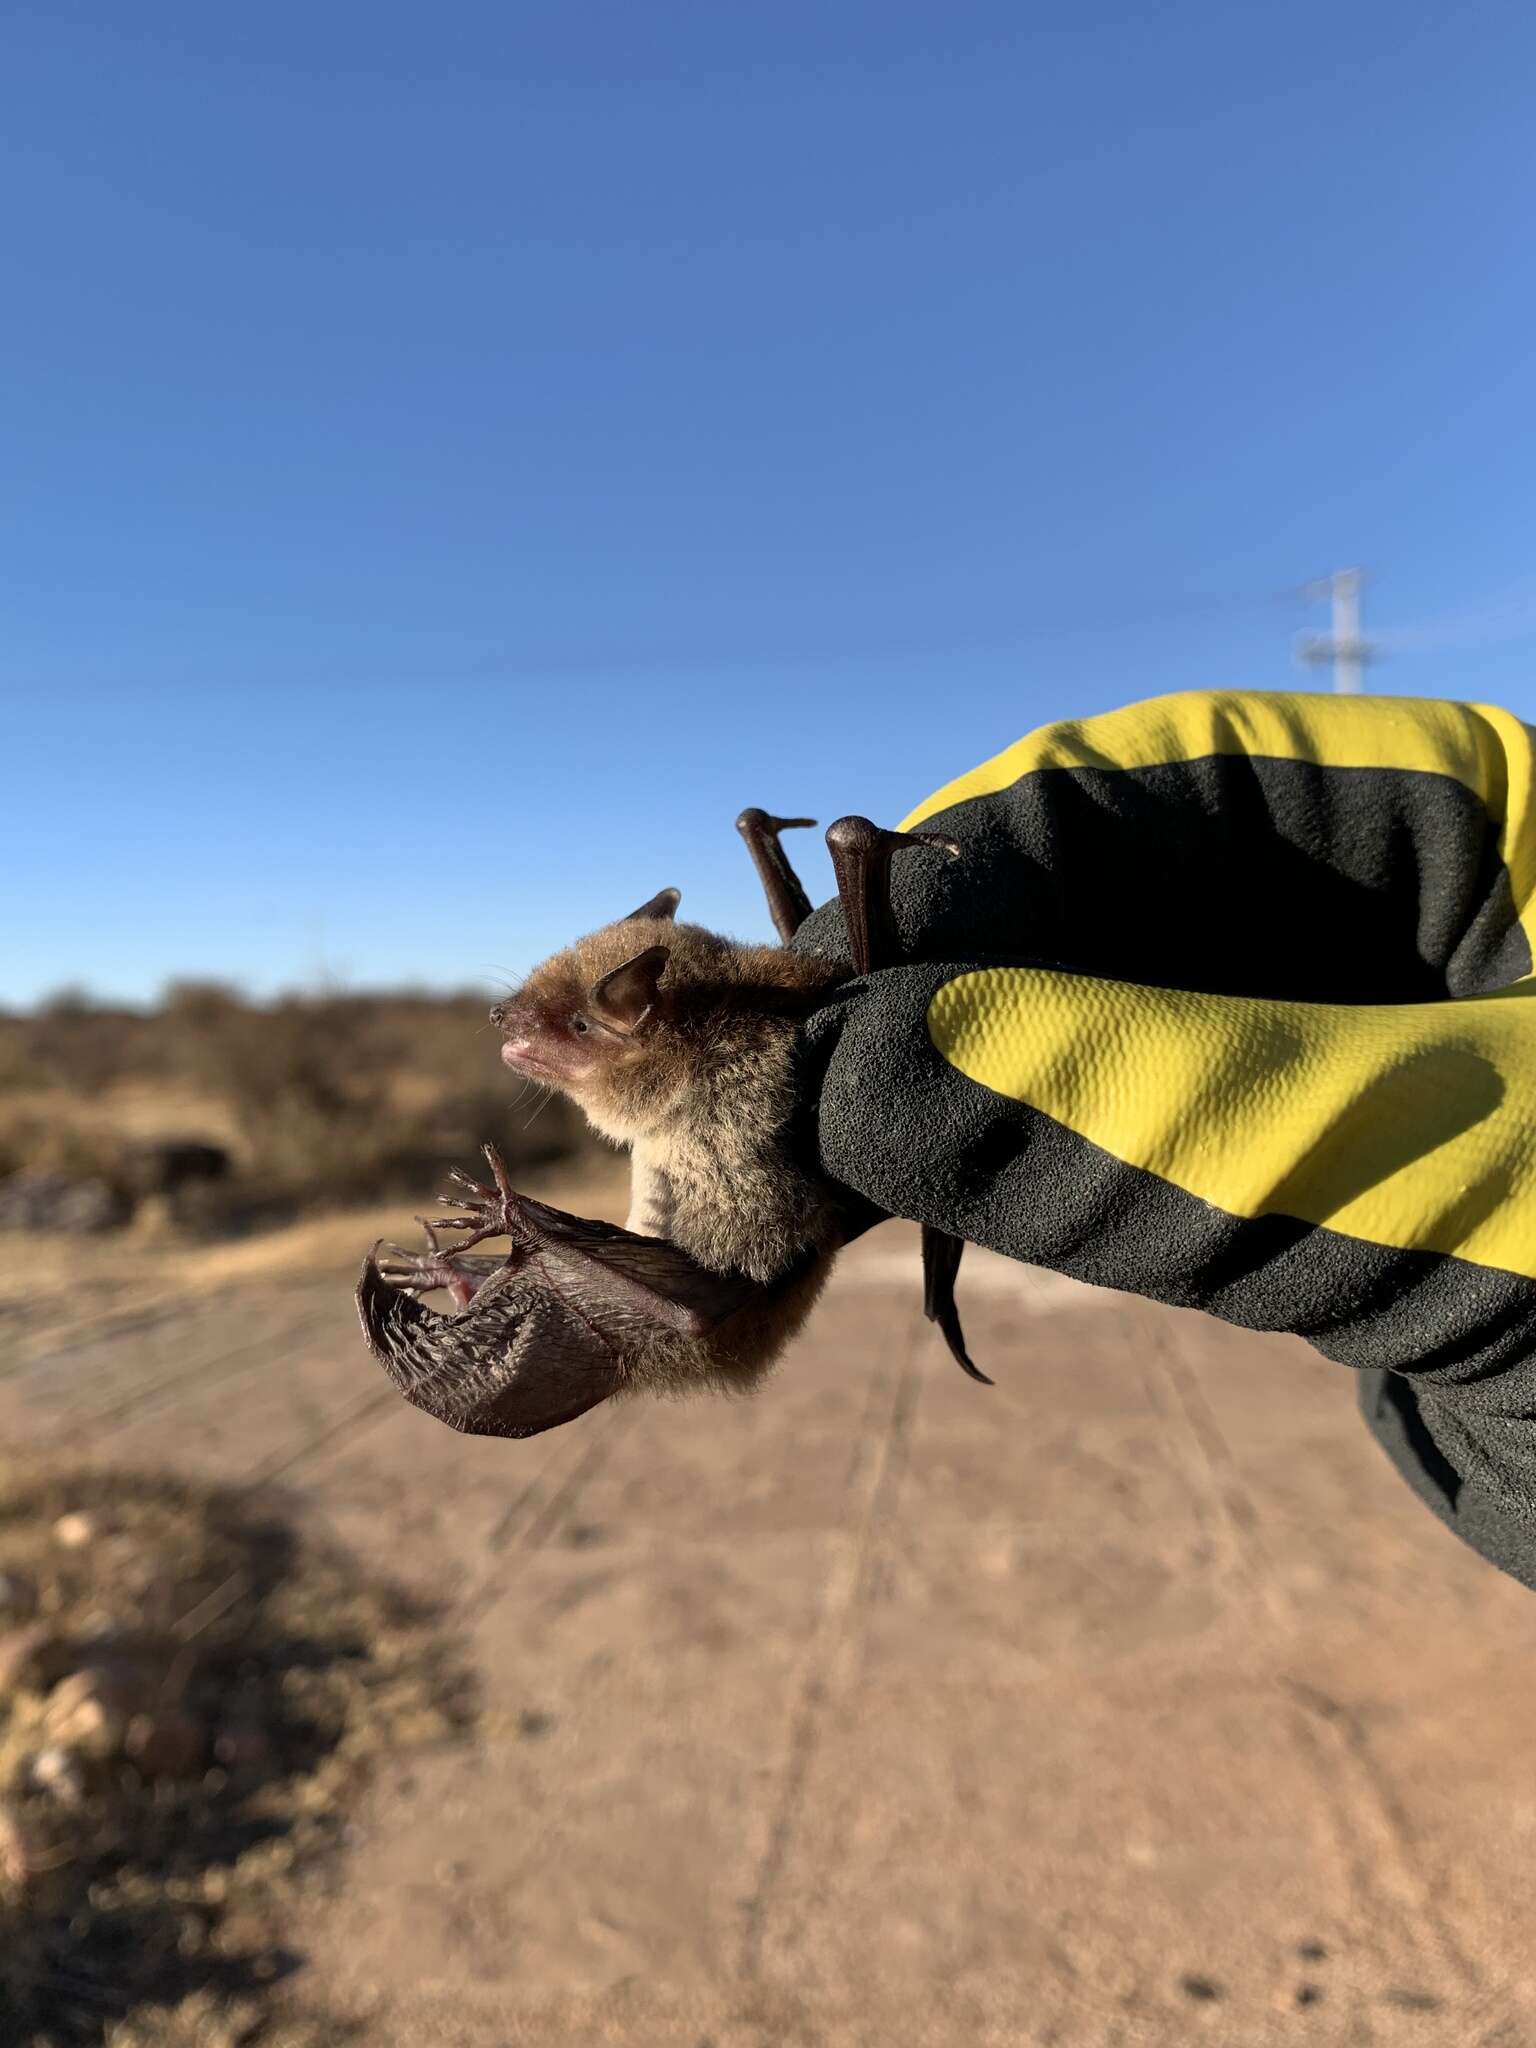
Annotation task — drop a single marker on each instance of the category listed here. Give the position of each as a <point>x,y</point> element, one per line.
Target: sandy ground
<point>1133,1701</point>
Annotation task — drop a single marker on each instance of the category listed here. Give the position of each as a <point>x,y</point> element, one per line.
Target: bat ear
<point>626,997</point>
<point>663,904</point>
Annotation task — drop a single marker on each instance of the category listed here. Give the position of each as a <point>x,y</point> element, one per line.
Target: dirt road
<point>1131,1702</point>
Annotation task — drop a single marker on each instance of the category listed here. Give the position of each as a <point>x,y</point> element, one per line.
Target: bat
<point>682,1045</point>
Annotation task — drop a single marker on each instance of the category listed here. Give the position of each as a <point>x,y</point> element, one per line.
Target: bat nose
<point>498,1014</point>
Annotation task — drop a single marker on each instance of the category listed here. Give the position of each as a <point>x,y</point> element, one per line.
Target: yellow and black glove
<point>1229,1002</point>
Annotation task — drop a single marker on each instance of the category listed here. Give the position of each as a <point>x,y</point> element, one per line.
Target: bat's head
<point>595,1009</point>
<point>626,1018</point>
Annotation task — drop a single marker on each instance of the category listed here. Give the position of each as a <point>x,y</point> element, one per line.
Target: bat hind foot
<point>496,1211</point>
<point>425,1272</point>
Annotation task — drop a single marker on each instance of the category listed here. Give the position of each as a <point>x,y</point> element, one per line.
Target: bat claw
<point>498,1211</point>
<point>788,904</point>
<point>967,1365</point>
<point>499,1173</point>
<point>941,1262</point>
<point>416,1272</point>
<point>756,820</point>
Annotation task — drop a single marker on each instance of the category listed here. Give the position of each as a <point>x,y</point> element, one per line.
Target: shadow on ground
<point>190,1696</point>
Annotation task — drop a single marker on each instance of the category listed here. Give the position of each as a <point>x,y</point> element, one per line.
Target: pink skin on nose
<point>560,1066</point>
<point>519,1055</point>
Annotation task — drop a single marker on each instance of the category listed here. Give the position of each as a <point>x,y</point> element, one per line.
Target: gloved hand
<point>1228,1002</point>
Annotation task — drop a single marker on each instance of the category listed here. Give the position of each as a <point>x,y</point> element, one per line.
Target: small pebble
<point>59,1771</point>
<point>75,1530</point>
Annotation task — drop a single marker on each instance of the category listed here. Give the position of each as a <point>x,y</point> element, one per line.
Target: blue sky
<point>452,458</point>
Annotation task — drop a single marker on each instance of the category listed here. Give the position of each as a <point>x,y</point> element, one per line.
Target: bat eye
<point>580,1024</point>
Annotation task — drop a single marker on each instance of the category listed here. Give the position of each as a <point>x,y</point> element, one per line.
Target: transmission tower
<point>1344,646</point>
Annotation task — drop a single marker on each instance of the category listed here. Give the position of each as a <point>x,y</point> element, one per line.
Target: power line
<point>863,643</point>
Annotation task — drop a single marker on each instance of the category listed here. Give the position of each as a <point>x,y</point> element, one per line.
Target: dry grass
<point>319,1100</point>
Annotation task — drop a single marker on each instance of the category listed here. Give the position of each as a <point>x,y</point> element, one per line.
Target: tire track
<point>362,1414</point>
<point>1223,1505</point>
<point>1376,1837</point>
<point>214,1370</point>
<point>104,1327</point>
<point>829,1674</point>
<point>1370,1825</point>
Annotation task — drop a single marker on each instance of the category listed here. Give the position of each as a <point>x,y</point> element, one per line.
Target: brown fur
<point>702,1090</point>
<point>731,1359</point>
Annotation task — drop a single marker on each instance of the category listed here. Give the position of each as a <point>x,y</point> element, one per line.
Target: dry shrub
<point>333,1098</point>
<point>34,1135</point>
